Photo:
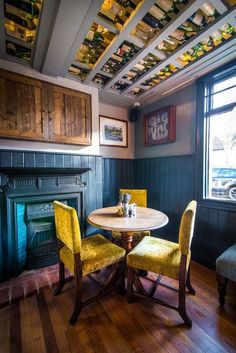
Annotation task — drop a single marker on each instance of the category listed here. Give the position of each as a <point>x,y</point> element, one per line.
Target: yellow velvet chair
<point>83,256</point>
<point>139,196</point>
<point>164,258</point>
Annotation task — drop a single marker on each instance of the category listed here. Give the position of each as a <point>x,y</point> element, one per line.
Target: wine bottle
<point>189,29</point>
<point>209,9</point>
<point>179,34</point>
<point>115,12</point>
<point>197,51</point>
<point>173,42</point>
<point>227,30</point>
<point>185,58</point>
<point>199,19</point>
<point>167,5</point>
<point>165,47</point>
<point>217,37</point>
<point>184,2</point>
<point>207,43</point>
<point>144,31</point>
<point>151,21</point>
<point>19,32</point>
<point>18,51</point>
<point>126,3</point>
<point>172,68</point>
<point>27,23</point>
<point>17,12</point>
<point>159,14</point>
<point>28,9</point>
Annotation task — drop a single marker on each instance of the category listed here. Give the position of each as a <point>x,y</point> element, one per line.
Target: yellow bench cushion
<point>156,255</point>
<point>96,253</point>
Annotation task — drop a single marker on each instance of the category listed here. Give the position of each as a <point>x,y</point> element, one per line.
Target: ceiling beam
<point>46,23</point>
<point>70,17</point>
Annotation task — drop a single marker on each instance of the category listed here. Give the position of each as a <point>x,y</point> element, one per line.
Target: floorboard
<point>39,323</point>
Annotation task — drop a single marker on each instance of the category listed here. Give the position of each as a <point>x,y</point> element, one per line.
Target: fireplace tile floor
<point>29,283</point>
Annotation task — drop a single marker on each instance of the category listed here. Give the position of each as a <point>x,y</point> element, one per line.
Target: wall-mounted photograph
<point>160,126</point>
<point>113,132</point>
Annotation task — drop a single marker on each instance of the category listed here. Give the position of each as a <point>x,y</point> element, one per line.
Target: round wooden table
<point>146,219</point>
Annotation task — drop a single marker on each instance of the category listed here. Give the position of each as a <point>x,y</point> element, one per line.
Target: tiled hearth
<point>29,283</point>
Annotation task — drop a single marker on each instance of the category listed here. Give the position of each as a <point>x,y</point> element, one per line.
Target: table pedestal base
<point>126,241</point>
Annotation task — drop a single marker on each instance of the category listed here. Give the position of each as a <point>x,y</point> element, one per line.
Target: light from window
<point>220,161</point>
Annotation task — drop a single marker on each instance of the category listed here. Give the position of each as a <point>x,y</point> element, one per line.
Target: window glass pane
<point>222,98</point>
<point>222,156</point>
<point>224,84</point>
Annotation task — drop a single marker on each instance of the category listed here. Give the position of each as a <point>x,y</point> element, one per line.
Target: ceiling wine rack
<point>161,43</point>
<point>21,19</point>
<point>127,47</point>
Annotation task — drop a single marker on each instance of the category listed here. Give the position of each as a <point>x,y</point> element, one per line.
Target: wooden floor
<point>40,323</point>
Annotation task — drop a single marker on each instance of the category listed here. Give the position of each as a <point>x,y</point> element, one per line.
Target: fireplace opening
<point>41,237</point>
<point>36,235</point>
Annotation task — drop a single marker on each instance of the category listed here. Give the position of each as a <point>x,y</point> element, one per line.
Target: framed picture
<point>113,132</point>
<point>160,126</point>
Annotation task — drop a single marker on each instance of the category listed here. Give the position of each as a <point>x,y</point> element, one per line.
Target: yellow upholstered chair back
<point>67,226</point>
<point>187,227</point>
<point>139,196</point>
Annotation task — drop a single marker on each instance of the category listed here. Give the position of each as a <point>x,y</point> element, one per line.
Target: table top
<point>146,219</point>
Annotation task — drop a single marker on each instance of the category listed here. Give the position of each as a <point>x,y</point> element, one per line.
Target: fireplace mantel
<point>19,171</point>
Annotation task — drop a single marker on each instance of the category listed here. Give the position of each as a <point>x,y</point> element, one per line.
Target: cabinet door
<point>20,107</point>
<point>71,117</point>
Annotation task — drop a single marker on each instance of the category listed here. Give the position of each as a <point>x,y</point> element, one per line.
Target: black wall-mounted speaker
<point>133,114</point>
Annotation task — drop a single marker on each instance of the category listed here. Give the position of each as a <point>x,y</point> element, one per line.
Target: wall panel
<point>117,173</point>
<point>169,182</point>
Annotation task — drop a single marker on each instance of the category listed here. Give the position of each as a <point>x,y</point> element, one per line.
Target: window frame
<point>204,89</point>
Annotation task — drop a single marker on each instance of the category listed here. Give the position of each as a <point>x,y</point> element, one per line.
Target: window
<point>217,135</point>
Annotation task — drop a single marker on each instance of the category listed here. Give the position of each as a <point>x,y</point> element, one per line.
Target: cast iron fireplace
<point>29,231</point>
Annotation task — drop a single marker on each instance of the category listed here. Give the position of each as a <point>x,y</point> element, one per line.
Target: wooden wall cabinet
<point>72,116</point>
<point>35,110</point>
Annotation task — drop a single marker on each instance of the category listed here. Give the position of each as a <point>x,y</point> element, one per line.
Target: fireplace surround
<point>27,213</point>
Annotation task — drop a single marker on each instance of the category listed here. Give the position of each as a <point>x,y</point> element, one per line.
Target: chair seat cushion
<point>156,255</point>
<point>96,253</point>
<point>226,263</point>
<point>138,235</point>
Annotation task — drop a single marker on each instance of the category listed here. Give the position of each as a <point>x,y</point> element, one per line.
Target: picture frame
<point>160,126</point>
<point>113,132</point>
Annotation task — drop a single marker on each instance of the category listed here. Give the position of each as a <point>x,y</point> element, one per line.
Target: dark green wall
<point>170,182</point>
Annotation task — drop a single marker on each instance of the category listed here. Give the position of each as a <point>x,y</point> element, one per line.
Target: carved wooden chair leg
<point>222,286</point>
<point>78,299</point>
<point>188,283</point>
<point>182,293</point>
<point>130,283</point>
<point>61,282</point>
